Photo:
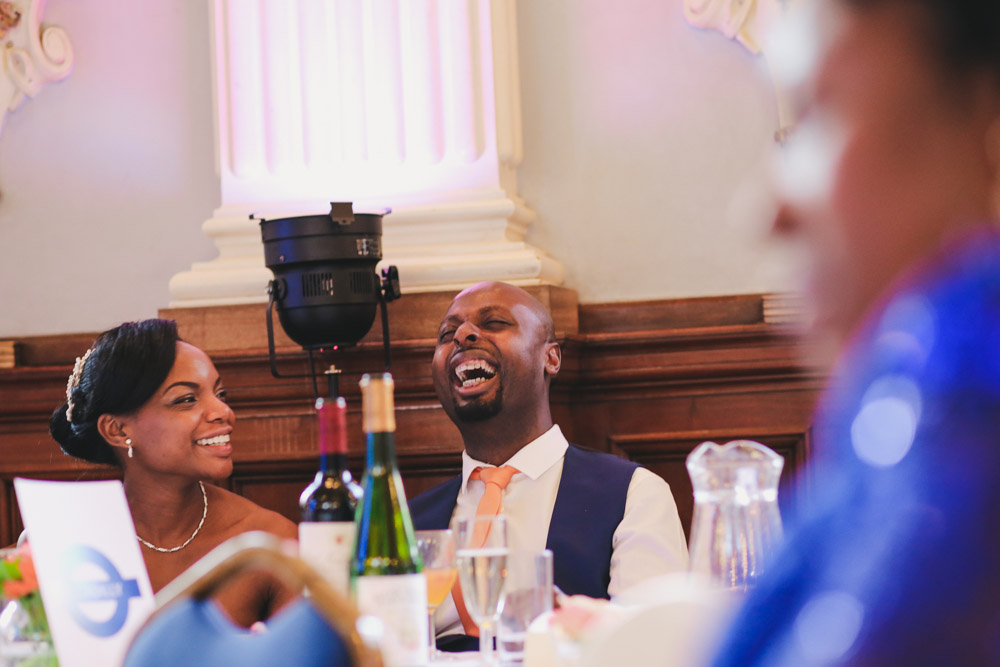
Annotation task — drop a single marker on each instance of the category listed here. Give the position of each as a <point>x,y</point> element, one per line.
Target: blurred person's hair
<point>964,33</point>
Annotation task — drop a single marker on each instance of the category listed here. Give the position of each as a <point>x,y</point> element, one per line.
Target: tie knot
<point>497,476</point>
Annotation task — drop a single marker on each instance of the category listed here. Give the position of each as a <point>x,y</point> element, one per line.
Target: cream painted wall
<point>643,144</point>
<point>646,147</point>
<point>105,177</point>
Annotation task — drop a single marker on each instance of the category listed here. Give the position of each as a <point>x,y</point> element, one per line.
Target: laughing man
<point>609,522</point>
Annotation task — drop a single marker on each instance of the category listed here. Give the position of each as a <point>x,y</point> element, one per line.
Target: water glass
<point>528,595</point>
<point>22,640</point>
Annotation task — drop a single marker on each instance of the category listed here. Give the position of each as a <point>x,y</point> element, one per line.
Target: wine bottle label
<point>328,547</point>
<point>400,602</point>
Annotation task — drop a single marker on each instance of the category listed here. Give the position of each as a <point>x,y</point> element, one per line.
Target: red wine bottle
<point>326,532</point>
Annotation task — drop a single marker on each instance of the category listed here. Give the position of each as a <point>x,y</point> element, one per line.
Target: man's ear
<point>553,358</point>
<point>112,430</point>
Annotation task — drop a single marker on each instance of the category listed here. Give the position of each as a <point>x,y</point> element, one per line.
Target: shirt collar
<point>532,460</point>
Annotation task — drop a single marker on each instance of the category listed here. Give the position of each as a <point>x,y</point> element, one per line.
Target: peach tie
<point>496,480</point>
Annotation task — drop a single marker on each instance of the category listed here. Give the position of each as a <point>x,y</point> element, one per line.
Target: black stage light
<point>325,284</point>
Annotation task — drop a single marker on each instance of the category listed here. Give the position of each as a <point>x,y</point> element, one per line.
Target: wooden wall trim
<point>659,315</point>
<point>666,454</point>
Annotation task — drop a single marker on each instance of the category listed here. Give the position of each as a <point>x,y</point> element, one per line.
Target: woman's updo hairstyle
<point>124,368</point>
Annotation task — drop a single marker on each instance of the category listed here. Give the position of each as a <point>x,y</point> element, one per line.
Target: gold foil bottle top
<point>378,415</point>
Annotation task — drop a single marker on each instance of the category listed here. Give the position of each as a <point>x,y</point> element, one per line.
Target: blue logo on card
<point>95,587</point>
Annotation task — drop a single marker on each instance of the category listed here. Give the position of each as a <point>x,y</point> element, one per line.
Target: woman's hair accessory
<point>74,382</point>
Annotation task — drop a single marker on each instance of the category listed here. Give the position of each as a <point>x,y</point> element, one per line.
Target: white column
<point>411,105</point>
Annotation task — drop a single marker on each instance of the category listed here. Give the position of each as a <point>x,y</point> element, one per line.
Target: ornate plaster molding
<point>736,19</point>
<point>33,55</point>
<point>747,22</point>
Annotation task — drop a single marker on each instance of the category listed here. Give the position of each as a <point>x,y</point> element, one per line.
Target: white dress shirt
<point>648,542</point>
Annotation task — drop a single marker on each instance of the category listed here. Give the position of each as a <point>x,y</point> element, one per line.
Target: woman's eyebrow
<point>181,383</point>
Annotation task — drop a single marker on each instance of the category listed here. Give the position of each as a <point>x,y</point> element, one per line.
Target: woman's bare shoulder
<point>239,515</point>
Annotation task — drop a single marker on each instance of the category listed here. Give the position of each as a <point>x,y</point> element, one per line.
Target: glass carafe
<point>737,524</point>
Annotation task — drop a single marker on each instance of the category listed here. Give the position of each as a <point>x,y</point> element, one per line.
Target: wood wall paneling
<point>666,455</point>
<point>647,380</point>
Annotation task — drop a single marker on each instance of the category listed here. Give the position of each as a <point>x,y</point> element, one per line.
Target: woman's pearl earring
<point>128,441</point>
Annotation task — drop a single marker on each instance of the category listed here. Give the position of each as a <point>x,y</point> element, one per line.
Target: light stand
<point>325,287</point>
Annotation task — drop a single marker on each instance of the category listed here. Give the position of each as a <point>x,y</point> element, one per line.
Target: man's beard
<point>481,409</point>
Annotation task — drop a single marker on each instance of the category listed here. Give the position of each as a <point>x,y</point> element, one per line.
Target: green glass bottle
<point>386,569</point>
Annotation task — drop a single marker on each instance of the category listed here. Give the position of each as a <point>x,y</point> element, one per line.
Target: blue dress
<point>896,558</point>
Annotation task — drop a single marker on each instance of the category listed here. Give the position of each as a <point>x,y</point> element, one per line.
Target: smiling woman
<point>146,401</point>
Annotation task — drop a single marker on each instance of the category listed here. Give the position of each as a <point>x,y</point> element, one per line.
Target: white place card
<point>90,570</point>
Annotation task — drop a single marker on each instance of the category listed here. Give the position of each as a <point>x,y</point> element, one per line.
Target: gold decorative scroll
<point>32,56</point>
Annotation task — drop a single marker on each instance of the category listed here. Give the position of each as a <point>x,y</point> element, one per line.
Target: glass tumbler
<point>529,595</point>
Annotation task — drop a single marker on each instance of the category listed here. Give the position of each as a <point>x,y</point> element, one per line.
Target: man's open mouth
<point>473,372</point>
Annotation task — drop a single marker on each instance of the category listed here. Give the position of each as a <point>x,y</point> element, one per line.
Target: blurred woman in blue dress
<point>891,182</point>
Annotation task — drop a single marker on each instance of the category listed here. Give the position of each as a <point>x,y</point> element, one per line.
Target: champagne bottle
<point>326,532</point>
<point>386,569</point>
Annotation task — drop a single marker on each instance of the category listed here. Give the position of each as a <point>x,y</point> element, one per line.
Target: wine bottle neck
<point>381,450</point>
<point>332,427</point>
<point>332,446</point>
<point>333,463</point>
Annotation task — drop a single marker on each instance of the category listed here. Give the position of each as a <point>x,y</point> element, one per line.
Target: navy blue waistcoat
<point>589,506</point>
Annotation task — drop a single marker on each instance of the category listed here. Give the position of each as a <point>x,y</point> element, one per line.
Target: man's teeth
<point>217,440</point>
<point>484,371</point>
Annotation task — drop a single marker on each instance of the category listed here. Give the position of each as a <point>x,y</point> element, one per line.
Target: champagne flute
<point>482,567</point>
<point>437,549</point>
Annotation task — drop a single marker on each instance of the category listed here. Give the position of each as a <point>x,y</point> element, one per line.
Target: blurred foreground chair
<point>189,629</point>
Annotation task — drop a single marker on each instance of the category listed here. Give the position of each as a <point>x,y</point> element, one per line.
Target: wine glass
<point>482,566</point>
<point>437,549</point>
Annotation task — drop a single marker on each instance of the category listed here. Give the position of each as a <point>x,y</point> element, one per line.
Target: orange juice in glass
<point>439,583</point>
<point>437,549</point>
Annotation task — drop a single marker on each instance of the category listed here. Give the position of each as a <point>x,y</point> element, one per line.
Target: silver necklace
<point>204,513</point>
